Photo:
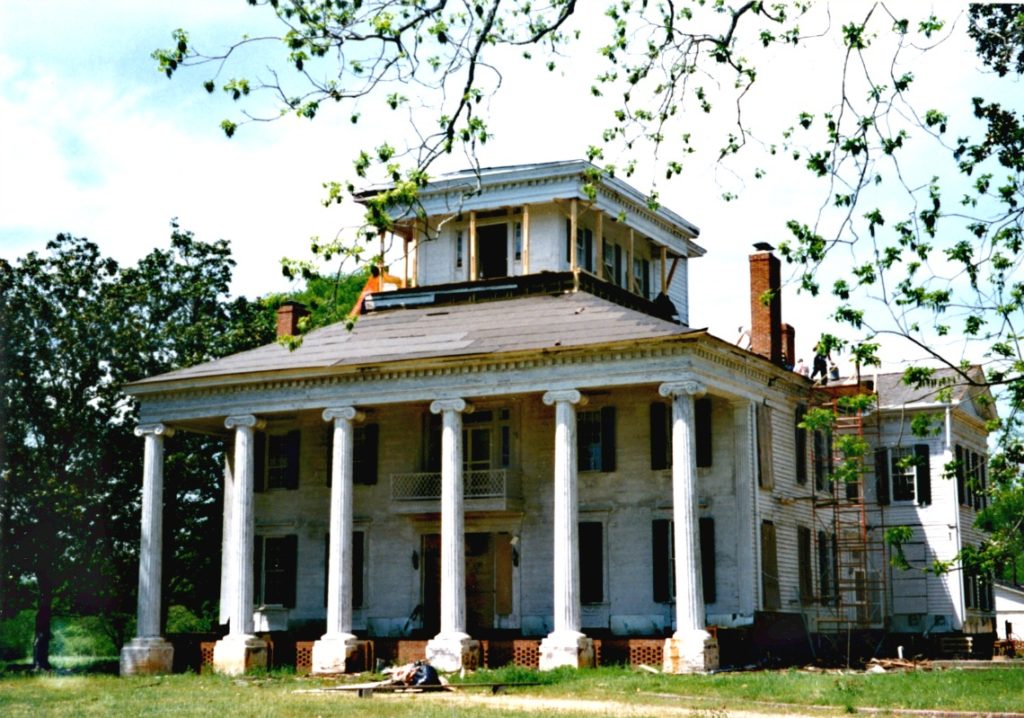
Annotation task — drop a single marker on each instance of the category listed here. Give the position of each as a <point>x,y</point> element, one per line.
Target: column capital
<point>686,385</point>
<point>459,405</point>
<point>244,420</point>
<point>345,413</point>
<point>571,396</point>
<point>156,429</point>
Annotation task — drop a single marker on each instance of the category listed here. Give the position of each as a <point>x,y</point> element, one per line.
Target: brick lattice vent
<point>303,657</point>
<point>206,656</point>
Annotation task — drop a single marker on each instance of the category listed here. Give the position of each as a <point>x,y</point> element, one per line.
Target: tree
<point>906,258</point>
<point>76,328</point>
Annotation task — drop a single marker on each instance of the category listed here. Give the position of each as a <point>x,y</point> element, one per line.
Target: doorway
<point>489,560</point>
<point>492,248</point>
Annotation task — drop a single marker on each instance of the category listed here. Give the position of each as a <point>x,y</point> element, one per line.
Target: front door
<point>488,580</point>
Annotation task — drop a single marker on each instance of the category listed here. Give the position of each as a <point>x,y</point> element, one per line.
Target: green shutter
<point>659,436</point>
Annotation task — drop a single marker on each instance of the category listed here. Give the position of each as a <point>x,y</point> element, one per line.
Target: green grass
<point>25,694</point>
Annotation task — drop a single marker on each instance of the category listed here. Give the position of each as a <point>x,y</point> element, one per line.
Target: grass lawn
<point>613,691</point>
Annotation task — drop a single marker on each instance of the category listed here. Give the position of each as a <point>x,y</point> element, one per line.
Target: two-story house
<point>527,439</point>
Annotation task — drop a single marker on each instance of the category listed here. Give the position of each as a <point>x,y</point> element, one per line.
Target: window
<point>770,595</point>
<point>612,268</point>
<point>276,460</point>
<point>661,433</point>
<point>275,559</point>
<point>642,276</point>
<point>358,567</point>
<point>765,473</point>
<point>595,439</point>
<point>801,445</point>
<point>584,246</point>
<point>364,454</point>
<point>517,241</point>
<point>978,590</point>
<point>486,440</point>
<point>971,478</point>
<point>903,474</point>
<point>591,549</point>
<point>663,556</point>
<point>806,577</point>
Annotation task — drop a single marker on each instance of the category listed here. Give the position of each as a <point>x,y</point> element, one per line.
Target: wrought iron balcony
<point>426,485</point>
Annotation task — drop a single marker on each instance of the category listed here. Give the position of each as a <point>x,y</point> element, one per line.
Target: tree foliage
<point>916,234</point>
<point>76,328</point>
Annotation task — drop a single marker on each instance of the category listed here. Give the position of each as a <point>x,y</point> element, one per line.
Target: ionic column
<point>240,650</point>
<point>691,648</point>
<point>566,645</point>
<point>332,652</point>
<point>148,653</point>
<point>452,648</point>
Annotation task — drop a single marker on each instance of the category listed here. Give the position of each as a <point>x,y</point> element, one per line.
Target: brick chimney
<point>288,316</point>
<point>789,343</point>
<point>765,319</point>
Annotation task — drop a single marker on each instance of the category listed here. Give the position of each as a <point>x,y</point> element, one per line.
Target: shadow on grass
<point>64,666</point>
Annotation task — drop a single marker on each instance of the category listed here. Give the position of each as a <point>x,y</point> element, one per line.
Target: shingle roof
<point>893,392</point>
<point>532,323</point>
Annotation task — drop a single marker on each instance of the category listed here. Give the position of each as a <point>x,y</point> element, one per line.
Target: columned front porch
<point>551,414</point>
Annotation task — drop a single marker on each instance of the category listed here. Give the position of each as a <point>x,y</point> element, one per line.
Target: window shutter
<point>765,477</point>
<point>824,568</point>
<point>959,472</point>
<point>257,570</point>
<point>291,478</point>
<point>591,554</point>
<point>771,595</point>
<point>983,478</point>
<point>259,467</point>
<point>801,445</point>
<point>358,568</point>
<point>976,480</point>
<point>707,557</point>
<point>924,474</point>
<point>290,559</point>
<point>806,582</point>
<point>503,562</point>
<point>327,564</point>
<point>329,451</point>
<point>366,455</point>
<point>882,476</point>
<point>659,436</point>
<point>608,438</point>
<point>660,559</point>
<point>702,422</point>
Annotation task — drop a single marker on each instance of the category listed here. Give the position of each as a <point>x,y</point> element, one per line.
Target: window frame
<point>605,424</point>
<point>288,543</point>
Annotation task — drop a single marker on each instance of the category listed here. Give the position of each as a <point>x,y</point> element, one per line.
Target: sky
<point>95,142</point>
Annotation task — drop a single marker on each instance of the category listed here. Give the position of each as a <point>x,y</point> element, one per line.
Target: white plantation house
<point>528,442</point>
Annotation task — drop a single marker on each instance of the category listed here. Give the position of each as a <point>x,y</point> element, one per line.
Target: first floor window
<point>275,559</point>
<point>663,558</point>
<point>770,594</point>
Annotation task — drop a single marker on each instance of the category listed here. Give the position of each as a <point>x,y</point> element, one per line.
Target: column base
<point>566,649</point>
<point>690,652</point>
<point>235,655</point>
<point>332,654</point>
<point>453,652</point>
<point>146,656</point>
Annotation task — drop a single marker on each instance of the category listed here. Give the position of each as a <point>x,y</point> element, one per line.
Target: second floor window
<point>595,439</point>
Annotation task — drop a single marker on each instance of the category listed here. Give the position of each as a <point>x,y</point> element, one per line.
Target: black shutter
<point>568,242</point>
<point>801,446</point>
<point>608,438</point>
<point>290,557</point>
<point>366,455</point>
<point>805,578</point>
<point>327,564</point>
<point>924,474</point>
<point>291,477</point>
<point>882,475</point>
<point>707,557</point>
<point>257,570</point>
<point>976,480</point>
<point>659,436</point>
<point>259,467</point>
<point>959,472</point>
<point>702,421</point>
<point>659,559</point>
<point>591,553</point>
<point>358,558</point>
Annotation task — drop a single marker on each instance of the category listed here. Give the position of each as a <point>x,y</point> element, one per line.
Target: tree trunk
<point>44,616</point>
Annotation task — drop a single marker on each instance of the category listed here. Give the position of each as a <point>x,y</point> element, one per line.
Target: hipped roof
<point>534,323</point>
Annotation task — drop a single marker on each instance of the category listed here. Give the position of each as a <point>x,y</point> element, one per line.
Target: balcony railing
<point>426,485</point>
